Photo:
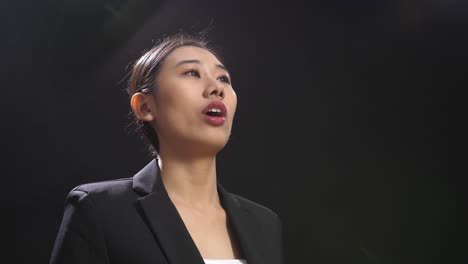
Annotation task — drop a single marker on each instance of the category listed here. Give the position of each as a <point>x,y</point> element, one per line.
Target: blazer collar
<point>167,226</point>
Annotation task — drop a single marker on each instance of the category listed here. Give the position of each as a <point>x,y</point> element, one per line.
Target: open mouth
<point>214,112</point>
<point>215,109</point>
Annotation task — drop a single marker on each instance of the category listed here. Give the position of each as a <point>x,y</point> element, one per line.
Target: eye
<point>192,73</point>
<point>225,79</point>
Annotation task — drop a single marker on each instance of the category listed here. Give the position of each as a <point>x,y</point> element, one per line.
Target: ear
<point>143,106</point>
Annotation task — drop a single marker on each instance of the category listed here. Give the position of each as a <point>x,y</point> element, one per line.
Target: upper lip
<point>217,105</point>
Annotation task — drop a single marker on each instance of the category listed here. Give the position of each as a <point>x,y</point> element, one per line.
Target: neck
<point>190,181</point>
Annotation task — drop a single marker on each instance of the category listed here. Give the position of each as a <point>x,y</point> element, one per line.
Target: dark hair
<point>145,70</point>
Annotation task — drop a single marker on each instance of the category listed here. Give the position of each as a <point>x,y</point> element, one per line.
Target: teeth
<point>216,110</point>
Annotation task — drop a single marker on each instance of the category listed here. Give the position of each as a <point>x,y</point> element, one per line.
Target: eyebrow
<point>220,66</point>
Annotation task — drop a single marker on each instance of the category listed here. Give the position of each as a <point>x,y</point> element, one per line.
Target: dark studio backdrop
<point>349,122</point>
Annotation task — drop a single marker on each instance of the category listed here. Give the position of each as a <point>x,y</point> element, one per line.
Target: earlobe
<point>141,107</point>
<point>148,117</point>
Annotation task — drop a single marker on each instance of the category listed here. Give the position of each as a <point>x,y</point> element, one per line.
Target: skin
<point>189,144</point>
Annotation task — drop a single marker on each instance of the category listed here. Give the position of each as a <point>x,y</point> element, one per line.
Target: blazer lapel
<point>169,229</point>
<point>163,219</point>
<point>246,227</point>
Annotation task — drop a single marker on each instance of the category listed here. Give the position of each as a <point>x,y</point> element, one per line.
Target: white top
<point>225,261</point>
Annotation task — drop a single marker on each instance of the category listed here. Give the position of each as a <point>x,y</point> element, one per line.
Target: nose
<point>215,88</point>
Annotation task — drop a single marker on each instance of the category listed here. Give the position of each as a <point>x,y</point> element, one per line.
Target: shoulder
<point>105,187</point>
<point>100,191</point>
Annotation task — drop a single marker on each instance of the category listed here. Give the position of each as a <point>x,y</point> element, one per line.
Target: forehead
<point>191,53</point>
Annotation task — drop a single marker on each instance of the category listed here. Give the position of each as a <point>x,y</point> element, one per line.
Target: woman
<point>174,210</point>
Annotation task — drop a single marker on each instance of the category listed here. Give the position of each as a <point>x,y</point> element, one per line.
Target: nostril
<point>217,92</point>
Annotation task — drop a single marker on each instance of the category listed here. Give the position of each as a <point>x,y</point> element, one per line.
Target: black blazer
<point>133,220</point>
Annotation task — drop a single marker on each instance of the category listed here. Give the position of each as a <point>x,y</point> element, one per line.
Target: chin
<point>214,146</point>
<point>209,142</point>
<point>217,146</point>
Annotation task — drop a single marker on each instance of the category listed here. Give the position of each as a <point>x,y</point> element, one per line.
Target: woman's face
<point>194,103</point>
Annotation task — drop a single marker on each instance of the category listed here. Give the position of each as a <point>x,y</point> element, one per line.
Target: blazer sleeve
<point>280,241</point>
<point>277,247</point>
<point>79,239</point>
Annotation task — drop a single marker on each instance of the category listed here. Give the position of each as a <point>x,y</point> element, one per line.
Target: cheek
<point>232,102</point>
<point>176,104</point>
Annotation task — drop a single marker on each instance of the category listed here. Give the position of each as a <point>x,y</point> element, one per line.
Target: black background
<point>349,121</point>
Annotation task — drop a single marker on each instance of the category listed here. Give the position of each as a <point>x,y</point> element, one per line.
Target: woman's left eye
<point>225,79</point>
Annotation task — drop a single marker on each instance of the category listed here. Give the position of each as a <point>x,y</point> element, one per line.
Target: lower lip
<point>214,120</point>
